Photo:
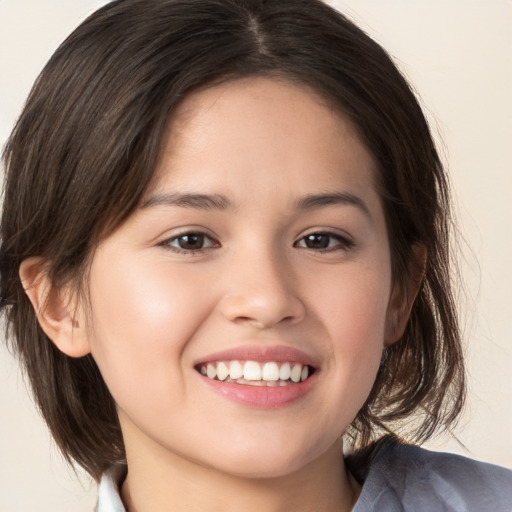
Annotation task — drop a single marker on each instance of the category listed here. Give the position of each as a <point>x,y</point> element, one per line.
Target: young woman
<point>225,255</point>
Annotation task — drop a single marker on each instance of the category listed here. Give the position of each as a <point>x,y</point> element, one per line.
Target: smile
<point>255,373</point>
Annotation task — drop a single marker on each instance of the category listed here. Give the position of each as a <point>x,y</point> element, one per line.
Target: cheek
<point>141,322</point>
<point>143,303</point>
<point>353,306</point>
<point>354,314</point>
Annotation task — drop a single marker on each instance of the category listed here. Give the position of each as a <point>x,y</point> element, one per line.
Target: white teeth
<point>270,372</point>
<point>285,371</point>
<point>222,371</point>
<point>259,383</point>
<point>296,371</point>
<point>255,373</point>
<point>252,370</point>
<point>211,371</point>
<point>235,370</point>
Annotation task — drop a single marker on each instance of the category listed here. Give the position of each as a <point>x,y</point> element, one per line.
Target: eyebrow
<point>221,202</point>
<point>312,201</point>
<point>197,201</point>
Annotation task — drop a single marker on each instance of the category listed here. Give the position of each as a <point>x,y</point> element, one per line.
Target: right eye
<point>190,242</point>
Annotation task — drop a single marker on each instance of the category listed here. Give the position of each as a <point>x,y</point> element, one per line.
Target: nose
<point>262,291</point>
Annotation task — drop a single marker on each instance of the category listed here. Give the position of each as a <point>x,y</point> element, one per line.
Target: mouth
<point>260,377</point>
<point>256,373</point>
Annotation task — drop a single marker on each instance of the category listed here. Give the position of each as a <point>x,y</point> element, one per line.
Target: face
<point>239,316</point>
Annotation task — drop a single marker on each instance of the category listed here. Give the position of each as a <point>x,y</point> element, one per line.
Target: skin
<point>156,309</point>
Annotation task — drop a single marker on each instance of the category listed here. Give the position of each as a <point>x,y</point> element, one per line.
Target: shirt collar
<point>109,499</point>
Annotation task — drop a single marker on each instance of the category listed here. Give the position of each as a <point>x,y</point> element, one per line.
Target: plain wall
<point>458,55</point>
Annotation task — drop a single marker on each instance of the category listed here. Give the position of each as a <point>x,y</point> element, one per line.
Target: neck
<point>178,485</point>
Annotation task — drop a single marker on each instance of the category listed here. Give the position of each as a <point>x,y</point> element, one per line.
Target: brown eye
<point>190,242</point>
<point>324,241</point>
<point>317,241</point>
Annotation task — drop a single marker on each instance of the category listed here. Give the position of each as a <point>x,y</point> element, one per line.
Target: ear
<point>56,312</point>
<point>403,296</point>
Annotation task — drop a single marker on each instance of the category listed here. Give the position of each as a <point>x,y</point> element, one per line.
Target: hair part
<point>86,148</point>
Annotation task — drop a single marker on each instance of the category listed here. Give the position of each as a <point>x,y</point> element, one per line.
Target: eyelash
<point>180,250</point>
<point>343,243</point>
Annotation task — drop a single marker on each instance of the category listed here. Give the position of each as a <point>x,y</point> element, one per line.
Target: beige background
<point>458,54</point>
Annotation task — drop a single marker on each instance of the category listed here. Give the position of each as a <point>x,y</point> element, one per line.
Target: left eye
<point>322,241</point>
<point>190,242</point>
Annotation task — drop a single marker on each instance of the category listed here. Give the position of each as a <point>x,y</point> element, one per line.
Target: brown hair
<point>85,149</point>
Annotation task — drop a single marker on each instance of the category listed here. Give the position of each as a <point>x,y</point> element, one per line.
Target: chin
<point>265,461</point>
<point>262,469</point>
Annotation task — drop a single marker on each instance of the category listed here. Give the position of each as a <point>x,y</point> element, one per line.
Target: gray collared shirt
<point>400,479</point>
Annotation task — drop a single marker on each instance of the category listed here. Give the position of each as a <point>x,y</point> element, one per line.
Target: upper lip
<point>260,353</point>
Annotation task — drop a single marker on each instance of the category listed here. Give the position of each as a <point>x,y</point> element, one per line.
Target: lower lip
<point>261,397</point>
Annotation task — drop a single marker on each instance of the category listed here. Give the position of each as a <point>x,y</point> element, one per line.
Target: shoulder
<point>407,478</point>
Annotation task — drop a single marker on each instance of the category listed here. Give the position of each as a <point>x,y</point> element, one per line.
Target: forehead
<point>261,133</point>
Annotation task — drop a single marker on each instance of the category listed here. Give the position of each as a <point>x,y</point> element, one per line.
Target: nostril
<point>263,309</point>
<point>245,320</point>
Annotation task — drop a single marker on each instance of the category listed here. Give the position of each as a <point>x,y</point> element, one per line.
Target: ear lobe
<point>402,297</point>
<point>54,308</point>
